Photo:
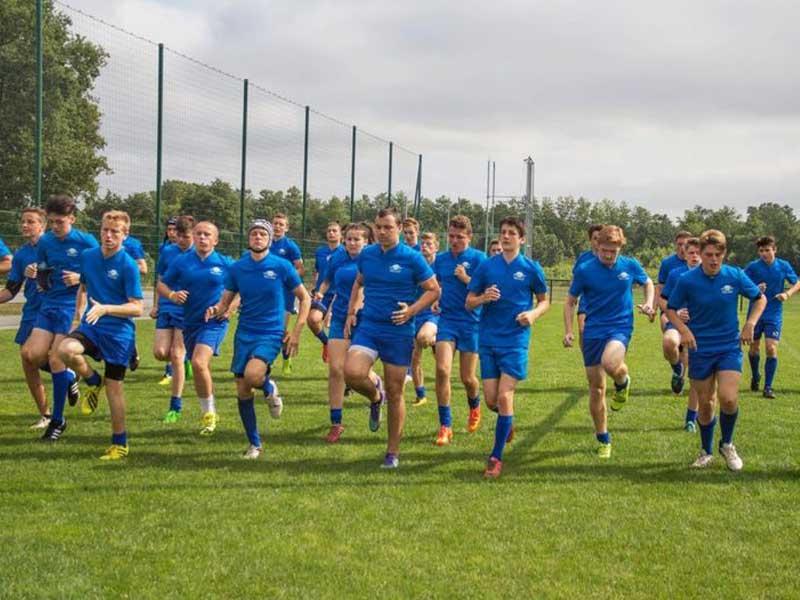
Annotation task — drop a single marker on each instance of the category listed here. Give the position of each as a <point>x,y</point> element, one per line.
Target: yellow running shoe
<point>166,380</point>
<point>445,436</point>
<point>604,451</point>
<point>419,401</point>
<point>620,397</point>
<point>286,367</point>
<point>90,400</point>
<point>115,452</point>
<point>210,421</point>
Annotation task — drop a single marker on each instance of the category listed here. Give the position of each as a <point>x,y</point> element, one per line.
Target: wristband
<point>171,294</point>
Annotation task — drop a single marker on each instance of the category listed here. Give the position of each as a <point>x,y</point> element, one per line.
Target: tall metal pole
<point>353,175</point>
<point>244,165</point>
<point>37,140</point>
<point>494,182</point>
<point>418,192</point>
<point>305,175</point>
<point>529,209</point>
<point>486,214</point>
<point>159,139</point>
<point>391,150</point>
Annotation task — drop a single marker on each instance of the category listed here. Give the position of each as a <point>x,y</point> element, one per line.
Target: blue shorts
<point>336,331</point>
<point>465,335</point>
<point>288,302</point>
<point>24,331</point>
<point>769,329</point>
<point>112,351</point>
<point>254,345</point>
<point>167,320</point>
<point>593,349</point>
<point>324,304</point>
<point>391,349</point>
<point>209,334</point>
<point>55,320</point>
<point>496,361</point>
<point>704,364</point>
<point>426,318</point>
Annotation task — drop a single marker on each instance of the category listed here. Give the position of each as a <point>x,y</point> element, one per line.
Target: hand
<point>460,272</point>
<point>688,341</point>
<point>525,318</point>
<point>211,312</point>
<point>31,270</point>
<point>491,294</point>
<point>401,315</point>
<point>179,297</point>
<point>154,312</point>
<point>435,308</point>
<point>782,297</point>
<point>647,310</point>
<point>762,286</point>
<point>98,310</point>
<point>349,324</point>
<point>569,338</point>
<point>747,332</point>
<point>683,314</point>
<point>292,343</point>
<point>70,278</point>
<point>317,297</point>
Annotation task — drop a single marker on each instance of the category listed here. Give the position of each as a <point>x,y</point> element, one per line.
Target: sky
<point>663,105</point>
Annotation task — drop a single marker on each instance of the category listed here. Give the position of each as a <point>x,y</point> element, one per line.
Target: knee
<point>29,356</point>
<point>199,366</point>
<point>161,353</point>
<point>442,373</point>
<point>176,354</point>
<point>352,373</point>
<point>336,371</point>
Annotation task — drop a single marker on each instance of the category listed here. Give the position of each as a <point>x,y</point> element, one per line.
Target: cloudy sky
<point>665,105</point>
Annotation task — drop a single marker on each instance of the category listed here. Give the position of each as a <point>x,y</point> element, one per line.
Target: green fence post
<point>37,141</point>
<point>244,165</point>
<point>391,149</point>
<point>305,174</point>
<point>159,139</point>
<point>353,175</point>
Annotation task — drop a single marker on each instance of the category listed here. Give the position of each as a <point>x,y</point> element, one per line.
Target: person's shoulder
<point>95,253</point>
<point>84,236</point>
<point>785,265</point>
<point>371,250</point>
<point>476,254</point>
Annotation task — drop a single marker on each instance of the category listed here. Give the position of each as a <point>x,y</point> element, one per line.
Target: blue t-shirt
<point>608,296</point>
<point>340,274</point>
<point>204,279</point>
<point>669,263</point>
<point>61,255</point>
<point>112,280</point>
<point>454,291</point>
<point>672,279</point>
<point>26,255</point>
<point>583,257</point>
<point>133,247</point>
<point>4,251</point>
<point>286,248</point>
<point>713,305</point>
<point>517,281</point>
<point>322,257</point>
<point>390,277</point>
<point>260,285</point>
<point>165,244</point>
<point>774,276</point>
<point>168,255</point>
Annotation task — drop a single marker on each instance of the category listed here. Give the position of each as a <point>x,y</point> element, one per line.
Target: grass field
<point>186,517</point>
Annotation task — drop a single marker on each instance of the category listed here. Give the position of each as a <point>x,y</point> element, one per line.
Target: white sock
<point>207,405</point>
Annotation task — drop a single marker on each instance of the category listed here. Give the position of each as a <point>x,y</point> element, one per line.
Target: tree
<point>71,130</point>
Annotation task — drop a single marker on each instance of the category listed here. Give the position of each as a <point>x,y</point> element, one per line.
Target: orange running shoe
<point>474,419</point>
<point>493,468</point>
<point>445,436</point>
<point>335,433</point>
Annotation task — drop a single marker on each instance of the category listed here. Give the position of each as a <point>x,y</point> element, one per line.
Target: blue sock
<point>94,379</point>
<point>603,438</point>
<point>445,417</point>
<point>168,372</point>
<point>474,402</point>
<point>501,431</point>
<point>268,388</point>
<point>322,337</point>
<point>727,423</point>
<point>336,416</point>
<point>61,383</point>
<point>176,403</point>
<point>621,386</point>
<point>247,411</point>
<point>770,366</point>
<point>420,391</point>
<point>707,436</point>
<point>754,360</point>
<point>691,415</point>
<point>677,368</point>
<point>120,439</point>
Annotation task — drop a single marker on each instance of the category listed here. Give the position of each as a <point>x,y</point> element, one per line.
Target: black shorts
<point>113,372</point>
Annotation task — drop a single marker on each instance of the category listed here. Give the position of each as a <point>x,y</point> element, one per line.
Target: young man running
<point>259,279</point>
<point>107,332</point>
<point>670,342</point>
<point>286,248</point>
<point>320,306</point>
<point>495,248</point>
<point>458,326</point>
<point>168,339</point>
<point>389,273</point>
<point>23,270</point>
<point>196,281</point>
<point>58,272</point>
<point>426,323</point>
<point>593,232</point>
<point>504,286</point>
<point>710,292</point>
<point>769,273</point>
<point>607,281</point>
<point>411,233</point>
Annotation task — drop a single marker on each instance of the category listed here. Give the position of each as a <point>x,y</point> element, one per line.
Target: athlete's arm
<point>569,318</point>
<point>356,296</point>
<point>528,317</point>
<point>134,307</point>
<point>142,264</point>
<point>292,339</point>
<point>80,303</point>
<point>5,264</point>
<point>221,307</point>
<point>178,297</point>
<point>299,267</point>
<point>156,298</point>
<point>649,300</point>
<point>12,289</point>
<point>687,337</point>
<point>322,290</point>
<point>659,287</point>
<point>491,294</point>
<point>406,312</point>
<point>784,296</point>
<point>756,309</point>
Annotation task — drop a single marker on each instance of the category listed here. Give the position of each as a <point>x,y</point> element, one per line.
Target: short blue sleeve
<point>663,271</point>
<point>17,273</point>
<point>747,288</point>
<point>788,273</point>
<point>678,298</point>
<point>4,251</point>
<point>422,270</point>
<point>538,280</point>
<point>293,251</point>
<point>639,274</point>
<point>173,274</point>
<point>477,283</point>
<point>576,287</point>
<point>670,284</point>
<point>229,280</point>
<point>291,279</point>
<point>133,280</point>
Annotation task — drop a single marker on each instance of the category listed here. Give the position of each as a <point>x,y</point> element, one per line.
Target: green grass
<point>185,517</point>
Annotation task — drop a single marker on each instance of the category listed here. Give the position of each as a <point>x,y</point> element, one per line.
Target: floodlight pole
<point>529,209</point>
<point>486,224</point>
<point>37,140</point>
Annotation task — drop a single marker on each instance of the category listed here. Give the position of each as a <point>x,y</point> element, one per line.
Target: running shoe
<point>768,393</point>
<point>286,367</point>
<point>390,461</point>
<point>620,397</point>
<point>54,431</point>
<point>335,433</point>
<point>375,408</point>
<point>74,390</point>
<point>252,452</point>
<point>274,401</point>
<point>474,420</point>
<point>166,380</point>
<point>115,452</point>
<point>187,365</point>
<point>210,421</point>
<point>702,461</point>
<point>41,423</point>
<point>690,427</point>
<point>493,468</point>
<point>444,437</point>
<point>134,363</point>
<point>419,401</point>
<point>754,384</point>
<point>677,382</point>
<point>172,416</point>
<point>732,458</point>
<point>604,451</point>
<point>90,400</point>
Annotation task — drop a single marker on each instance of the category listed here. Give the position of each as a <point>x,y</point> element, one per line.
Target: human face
<point>767,253</point>
<point>680,248</point>
<point>692,254</point>
<point>205,238</point>
<point>387,231</point>
<point>31,226</point>
<point>172,232</point>
<point>510,239</point>
<point>608,253</point>
<point>459,240</point>
<point>258,240</point>
<point>334,235</point>
<point>428,247</point>
<point>495,249</point>
<point>411,236</point>
<point>112,235</point>
<point>184,240</point>
<point>594,243</point>
<point>279,227</point>
<point>354,242</point>
<point>60,225</point>
<point>712,258</point>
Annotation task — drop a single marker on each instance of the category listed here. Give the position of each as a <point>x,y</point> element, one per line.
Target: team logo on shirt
<point>215,271</point>
<point>519,275</point>
<point>112,273</point>
<point>269,274</point>
<point>282,251</point>
<point>395,268</point>
<point>726,289</point>
<point>465,264</point>
<point>73,252</point>
<point>623,276</point>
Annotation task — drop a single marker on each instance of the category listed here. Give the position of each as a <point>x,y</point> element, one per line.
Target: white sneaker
<point>731,457</point>
<point>41,423</point>
<point>252,452</point>
<point>274,402</point>
<point>409,379</point>
<point>704,460</point>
